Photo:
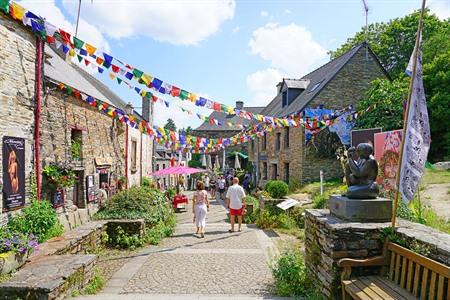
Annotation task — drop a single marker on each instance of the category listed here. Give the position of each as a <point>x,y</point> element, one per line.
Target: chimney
<point>146,109</point>
<point>279,86</point>
<point>239,105</point>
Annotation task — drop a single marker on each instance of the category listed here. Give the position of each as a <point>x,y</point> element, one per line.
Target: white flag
<point>417,136</point>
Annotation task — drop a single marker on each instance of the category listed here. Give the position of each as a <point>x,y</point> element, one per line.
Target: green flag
<point>77,43</point>
<point>4,6</point>
<point>183,95</point>
<point>137,73</point>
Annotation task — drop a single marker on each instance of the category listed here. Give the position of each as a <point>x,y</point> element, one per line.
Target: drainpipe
<point>37,127</point>
<point>126,156</point>
<point>140,160</point>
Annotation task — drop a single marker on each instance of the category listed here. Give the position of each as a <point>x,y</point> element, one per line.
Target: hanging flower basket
<point>59,177</point>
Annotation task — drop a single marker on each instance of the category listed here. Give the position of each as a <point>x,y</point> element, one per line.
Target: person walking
<point>206,182</point>
<point>221,183</point>
<point>247,182</point>
<point>200,207</point>
<point>236,203</point>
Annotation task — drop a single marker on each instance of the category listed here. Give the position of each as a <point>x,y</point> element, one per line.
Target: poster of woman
<point>13,154</point>
<point>387,149</point>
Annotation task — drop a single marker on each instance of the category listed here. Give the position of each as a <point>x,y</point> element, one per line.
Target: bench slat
<point>397,268</point>
<point>432,286</point>
<point>416,280</point>
<point>387,295</point>
<point>440,294</point>
<point>420,259</point>
<point>403,274</point>
<point>392,266</point>
<point>423,290</point>
<point>409,279</point>
<point>387,284</point>
<point>354,290</point>
<point>367,290</point>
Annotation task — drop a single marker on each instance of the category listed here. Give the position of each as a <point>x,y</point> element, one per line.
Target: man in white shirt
<point>221,185</point>
<point>207,182</point>
<point>236,203</point>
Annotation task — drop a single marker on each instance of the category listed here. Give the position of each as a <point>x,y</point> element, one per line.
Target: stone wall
<point>328,239</point>
<point>17,80</point>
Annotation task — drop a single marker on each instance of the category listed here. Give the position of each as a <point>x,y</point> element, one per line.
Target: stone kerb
<point>328,239</point>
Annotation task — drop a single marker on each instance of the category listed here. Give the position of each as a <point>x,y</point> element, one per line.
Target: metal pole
<point>405,121</point>
<point>321,182</point>
<point>78,18</point>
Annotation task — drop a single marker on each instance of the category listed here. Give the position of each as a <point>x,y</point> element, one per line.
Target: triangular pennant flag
<point>83,52</point>
<point>112,76</point>
<point>65,36</point>
<point>90,49</point>
<point>100,70</point>
<point>108,58</point>
<point>86,62</point>
<point>115,68</point>
<point>77,43</point>
<point>129,75</point>
<point>80,58</point>
<point>119,80</point>
<point>99,60</point>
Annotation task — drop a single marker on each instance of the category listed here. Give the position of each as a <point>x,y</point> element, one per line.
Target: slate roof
<point>57,69</point>
<point>319,78</point>
<point>224,118</point>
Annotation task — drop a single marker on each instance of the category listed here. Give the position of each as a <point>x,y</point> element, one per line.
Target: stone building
<point>107,150</point>
<point>225,131</point>
<point>283,153</point>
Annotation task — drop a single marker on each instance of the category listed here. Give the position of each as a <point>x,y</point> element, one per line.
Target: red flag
<point>65,36</point>
<point>115,68</point>
<point>216,106</point>
<point>175,92</point>
<point>86,62</point>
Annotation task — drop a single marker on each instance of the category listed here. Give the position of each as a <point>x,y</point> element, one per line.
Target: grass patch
<point>95,285</point>
<point>435,177</point>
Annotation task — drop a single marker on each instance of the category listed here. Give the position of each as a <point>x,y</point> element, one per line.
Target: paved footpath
<point>219,266</point>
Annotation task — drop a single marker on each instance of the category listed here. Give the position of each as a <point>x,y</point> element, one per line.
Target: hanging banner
<point>387,153</point>
<point>13,173</point>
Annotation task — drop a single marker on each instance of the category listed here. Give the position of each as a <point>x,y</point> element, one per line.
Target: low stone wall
<point>329,239</point>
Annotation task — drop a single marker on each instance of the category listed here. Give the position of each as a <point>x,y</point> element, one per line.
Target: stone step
<point>50,277</point>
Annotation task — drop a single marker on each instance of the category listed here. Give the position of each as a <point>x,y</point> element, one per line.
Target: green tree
<point>187,131</point>
<point>393,42</point>
<point>388,96</point>
<point>170,125</point>
<point>436,84</point>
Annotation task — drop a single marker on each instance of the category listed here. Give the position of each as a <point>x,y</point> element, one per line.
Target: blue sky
<point>226,50</point>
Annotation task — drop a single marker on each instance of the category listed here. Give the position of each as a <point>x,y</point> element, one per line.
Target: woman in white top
<point>200,207</point>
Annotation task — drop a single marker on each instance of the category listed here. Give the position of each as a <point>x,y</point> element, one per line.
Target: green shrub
<point>274,217</point>
<point>95,285</point>
<point>294,185</point>
<point>290,274</point>
<point>170,193</point>
<point>39,218</point>
<point>145,181</point>
<point>252,201</point>
<point>137,203</point>
<point>320,201</point>
<point>277,188</point>
<point>121,239</point>
<point>297,213</point>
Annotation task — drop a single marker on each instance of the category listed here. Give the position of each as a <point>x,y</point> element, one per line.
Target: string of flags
<point>70,44</point>
<point>86,53</point>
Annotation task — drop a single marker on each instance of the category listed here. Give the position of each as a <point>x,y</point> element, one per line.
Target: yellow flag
<point>146,78</point>
<point>89,48</point>
<point>112,76</point>
<point>17,11</point>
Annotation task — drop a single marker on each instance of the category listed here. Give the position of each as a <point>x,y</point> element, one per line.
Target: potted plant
<point>58,178</point>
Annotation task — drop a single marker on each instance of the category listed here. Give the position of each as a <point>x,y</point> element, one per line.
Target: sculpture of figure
<point>361,172</point>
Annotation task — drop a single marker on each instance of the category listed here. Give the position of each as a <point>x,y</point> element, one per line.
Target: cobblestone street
<point>222,265</point>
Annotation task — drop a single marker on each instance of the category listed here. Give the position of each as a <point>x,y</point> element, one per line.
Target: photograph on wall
<point>58,198</point>
<point>387,152</point>
<point>13,151</point>
<point>364,136</point>
<point>90,189</point>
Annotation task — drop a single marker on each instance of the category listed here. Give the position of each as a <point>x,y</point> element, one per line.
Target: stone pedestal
<point>361,210</point>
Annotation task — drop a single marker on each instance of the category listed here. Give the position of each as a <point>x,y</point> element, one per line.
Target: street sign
<point>287,204</point>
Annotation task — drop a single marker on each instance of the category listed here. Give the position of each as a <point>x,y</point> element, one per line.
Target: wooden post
<point>405,121</point>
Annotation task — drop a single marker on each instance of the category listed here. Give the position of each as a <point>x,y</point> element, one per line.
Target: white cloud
<point>175,22</point>
<point>54,15</point>
<point>262,84</point>
<point>290,48</point>
<point>236,29</point>
<point>287,11</point>
<point>441,8</point>
<point>264,14</point>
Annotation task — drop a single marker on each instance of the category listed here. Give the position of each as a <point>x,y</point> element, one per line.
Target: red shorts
<point>236,212</point>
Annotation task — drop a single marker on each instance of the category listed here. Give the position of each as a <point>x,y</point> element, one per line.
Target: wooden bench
<point>404,275</point>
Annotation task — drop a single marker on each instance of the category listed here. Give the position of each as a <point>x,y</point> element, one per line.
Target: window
<point>315,86</point>
<point>264,142</point>
<point>274,171</point>
<point>284,99</point>
<point>133,155</point>
<point>278,141</point>
<point>76,144</point>
<point>286,137</point>
<point>264,170</point>
<point>286,172</point>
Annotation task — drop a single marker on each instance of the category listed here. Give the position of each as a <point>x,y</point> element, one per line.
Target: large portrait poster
<point>387,152</point>
<point>13,152</point>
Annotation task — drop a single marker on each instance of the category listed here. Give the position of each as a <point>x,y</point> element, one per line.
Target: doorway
<point>78,190</point>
